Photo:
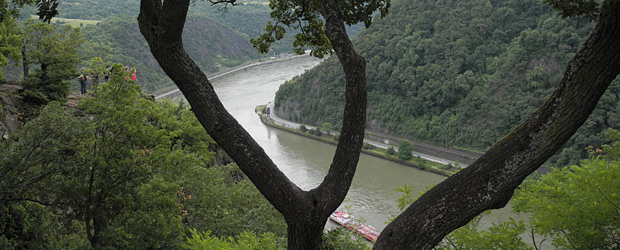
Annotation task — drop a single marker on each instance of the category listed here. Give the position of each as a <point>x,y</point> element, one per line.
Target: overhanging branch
<point>490,181</point>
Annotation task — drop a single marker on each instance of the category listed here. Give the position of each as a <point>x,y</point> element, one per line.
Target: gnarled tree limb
<point>490,181</point>
<point>304,211</point>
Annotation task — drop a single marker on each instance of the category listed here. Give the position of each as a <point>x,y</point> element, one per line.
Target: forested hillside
<point>137,174</point>
<point>456,73</point>
<point>247,18</point>
<point>210,44</point>
<point>216,38</point>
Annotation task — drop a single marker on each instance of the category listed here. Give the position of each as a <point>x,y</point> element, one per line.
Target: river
<point>305,161</point>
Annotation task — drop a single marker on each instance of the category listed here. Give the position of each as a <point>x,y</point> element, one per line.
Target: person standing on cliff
<point>82,80</point>
<point>132,74</point>
<point>107,73</point>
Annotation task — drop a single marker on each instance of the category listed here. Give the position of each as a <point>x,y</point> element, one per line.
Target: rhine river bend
<point>305,161</point>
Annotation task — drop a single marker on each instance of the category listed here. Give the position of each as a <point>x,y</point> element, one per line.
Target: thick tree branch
<point>225,2</point>
<point>305,212</point>
<point>489,182</point>
<point>336,184</point>
<point>162,26</point>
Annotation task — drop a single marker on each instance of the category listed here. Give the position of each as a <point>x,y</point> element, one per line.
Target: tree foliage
<point>343,239</point>
<point>55,51</point>
<point>243,241</point>
<point>10,8</point>
<point>405,148</point>
<point>457,73</point>
<point>132,174</point>
<point>117,39</point>
<point>577,206</point>
<point>570,8</point>
<point>10,43</point>
<point>46,9</point>
<point>114,38</point>
<point>305,16</point>
<point>247,19</point>
<point>506,235</point>
<point>42,149</point>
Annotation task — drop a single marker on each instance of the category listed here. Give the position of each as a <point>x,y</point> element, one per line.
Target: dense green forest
<point>456,73</point>
<point>115,169</point>
<point>210,38</point>
<point>572,207</point>
<point>246,19</point>
<point>123,171</point>
<point>215,38</point>
<point>119,40</point>
<point>120,170</point>
<point>139,173</point>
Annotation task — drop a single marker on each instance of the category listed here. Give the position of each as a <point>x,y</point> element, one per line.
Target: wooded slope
<point>456,73</point>
<point>212,45</point>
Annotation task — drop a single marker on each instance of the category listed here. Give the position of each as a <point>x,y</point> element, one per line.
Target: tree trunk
<point>25,65</point>
<point>90,210</point>
<point>304,234</point>
<point>304,211</point>
<point>490,181</point>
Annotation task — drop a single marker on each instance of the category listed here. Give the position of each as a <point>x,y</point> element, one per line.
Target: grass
<point>70,21</point>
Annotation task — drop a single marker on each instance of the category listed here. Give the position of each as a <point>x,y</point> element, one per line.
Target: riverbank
<point>417,162</point>
<point>371,147</point>
<point>461,155</point>
<point>174,91</point>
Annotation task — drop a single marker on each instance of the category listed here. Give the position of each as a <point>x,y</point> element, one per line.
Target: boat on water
<point>345,220</point>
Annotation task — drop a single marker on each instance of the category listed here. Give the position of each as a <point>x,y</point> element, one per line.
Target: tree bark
<point>490,181</point>
<point>304,211</point>
<point>25,66</point>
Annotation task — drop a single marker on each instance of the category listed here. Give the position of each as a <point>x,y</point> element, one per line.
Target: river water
<point>305,161</point>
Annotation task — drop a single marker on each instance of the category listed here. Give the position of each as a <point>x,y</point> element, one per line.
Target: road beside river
<point>294,125</point>
<point>306,161</point>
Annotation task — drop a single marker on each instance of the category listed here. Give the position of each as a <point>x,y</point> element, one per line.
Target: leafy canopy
<point>577,206</point>
<point>243,241</point>
<point>10,43</point>
<point>405,148</point>
<point>572,8</point>
<point>55,51</point>
<point>306,16</point>
<point>46,8</point>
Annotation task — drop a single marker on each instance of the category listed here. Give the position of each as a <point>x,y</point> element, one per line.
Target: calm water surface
<point>306,161</point>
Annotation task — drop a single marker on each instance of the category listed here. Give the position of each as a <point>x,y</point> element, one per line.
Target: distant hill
<point>247,18</point>
<point>214,37</point>
<point>118,40</point>
<point>210,44</point>
<point>455,73</point>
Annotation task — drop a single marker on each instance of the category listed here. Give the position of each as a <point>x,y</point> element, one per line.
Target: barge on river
<point>345,220</point>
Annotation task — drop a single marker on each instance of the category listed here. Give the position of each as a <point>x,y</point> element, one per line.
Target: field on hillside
<point>70,21</point>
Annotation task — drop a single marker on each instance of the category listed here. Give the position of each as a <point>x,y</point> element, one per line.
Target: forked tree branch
<point>305,211</point>
<point>162,26</point>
